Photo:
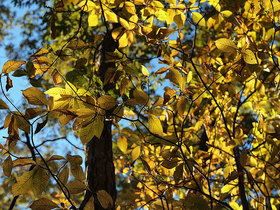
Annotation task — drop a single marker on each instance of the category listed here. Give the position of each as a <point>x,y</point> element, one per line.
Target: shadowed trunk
<point>100,170</point>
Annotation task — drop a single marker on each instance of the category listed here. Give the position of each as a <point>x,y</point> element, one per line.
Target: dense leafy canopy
<point>199,131</point>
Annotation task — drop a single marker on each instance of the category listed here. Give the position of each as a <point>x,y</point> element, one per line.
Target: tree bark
<point>100,170</point>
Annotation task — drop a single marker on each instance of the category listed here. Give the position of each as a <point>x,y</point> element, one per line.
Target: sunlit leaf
<point>226,45</point>
<point>198,19</point>
<point>35,96</point>
<point>154,124</point>
<point>122,143</point>
<point>135,153</point>
<point>10,66</point>
<point>250,57</point>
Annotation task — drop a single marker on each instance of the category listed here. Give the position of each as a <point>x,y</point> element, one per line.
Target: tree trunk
<point>100,170</point>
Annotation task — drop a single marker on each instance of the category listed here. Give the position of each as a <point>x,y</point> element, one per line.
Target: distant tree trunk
<point>100,170</point>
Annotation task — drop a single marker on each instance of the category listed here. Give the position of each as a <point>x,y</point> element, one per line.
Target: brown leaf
<point>10,66</point>
<point>43,204</point>
<point>9,83</point>
<point>41,125</point>
<point>8,166</point>
<point>105,199</point>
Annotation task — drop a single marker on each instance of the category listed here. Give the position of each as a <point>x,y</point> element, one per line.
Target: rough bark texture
<point>100,169</point>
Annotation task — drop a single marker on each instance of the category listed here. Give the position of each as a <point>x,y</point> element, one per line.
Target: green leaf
<point>76,77</point>
<point>19,73</point>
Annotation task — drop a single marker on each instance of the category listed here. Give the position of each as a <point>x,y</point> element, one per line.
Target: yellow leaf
<point>10,66</point>
<point>124,23</point>
<point>86,5</point>
<point>39,69</point>
<point>107,102</point>
<point>111,16</point>
<point>40,52</point>
<point>122,143</point>
<point>76,186</point>
<point>90,204</point>
<point>226,45</point>
<point>144,71</point>
<point>227,188</point>
<point>154,124</point>
<point>135,153</point>
<point>174,76</point>
<point>141,97</point>
<point>189,77</point>
<point>42,60</point>
<point>226,13</point>
<point>105,199</point>
<point>35,180</point>
<point>158,102</point>
<point>35,96</point>
<point>250,57</point>
<point>181,105</point>
<point>93,19</point>
<point>170,16</point>
<point>64,175</point>
<point>3,105</point>
<point>23,162</point>
<point>95,128</point>
<point>57,79</point>
<point>43,204</point>
<point>198,19</point>
<point>123,41</point>
<point>8,166</point>
<point>130,7</point>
